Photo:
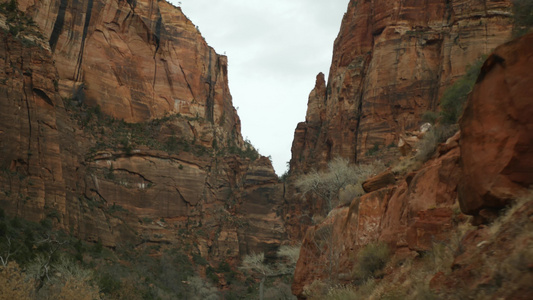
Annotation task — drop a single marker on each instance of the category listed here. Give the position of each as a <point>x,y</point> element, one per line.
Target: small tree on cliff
<point>327,184</point>
<point>256,262</point>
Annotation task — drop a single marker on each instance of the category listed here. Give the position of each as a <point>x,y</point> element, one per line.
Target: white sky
<point>275,50</point>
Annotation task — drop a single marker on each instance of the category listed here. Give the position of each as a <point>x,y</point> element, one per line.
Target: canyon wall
<point>483,169</point>
<point>117,125</point>
<point>391,62</point>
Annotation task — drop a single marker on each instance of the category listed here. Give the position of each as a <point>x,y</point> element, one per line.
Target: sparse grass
<point>201,289</point>
<point>507,215</point>
<point>14,284</point>
<point>349,193</point>
<point>406,165</point>
<point>280,291</point>
<point>502,260</point>
<point>342,293</point>
<point>370,261</point>
<point>316,290</point>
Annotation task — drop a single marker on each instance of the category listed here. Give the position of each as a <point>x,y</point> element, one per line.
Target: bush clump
<point>371,260</point>
<point>327,184</point>
<point>454,98</point>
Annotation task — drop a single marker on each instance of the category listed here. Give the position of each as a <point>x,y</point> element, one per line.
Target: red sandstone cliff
<point>174,164</point>
<point>484,168</point>
<point>136,59</point>
<point>391,62</point>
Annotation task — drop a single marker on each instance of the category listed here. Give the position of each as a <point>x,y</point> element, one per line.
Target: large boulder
<point>497,132</point>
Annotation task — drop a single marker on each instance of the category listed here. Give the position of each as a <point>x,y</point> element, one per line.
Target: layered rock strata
<point>408,216</point>
<point>117,125</point>
<point>391,62</point>
<point>482,169</point>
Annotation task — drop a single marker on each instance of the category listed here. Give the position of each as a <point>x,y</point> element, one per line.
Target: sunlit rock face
<point>136,59</point>
<point>116,124</point>
<point>392,61</point>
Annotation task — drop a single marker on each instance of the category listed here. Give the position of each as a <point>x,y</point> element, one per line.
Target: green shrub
<point>523,16</point>
<point>108,283</point>
<point>374,150</point>
<point>371,259</point>
<point>199,260</point>
<point>454,98</point>
<point>430,117</point>
<point>211,274</point>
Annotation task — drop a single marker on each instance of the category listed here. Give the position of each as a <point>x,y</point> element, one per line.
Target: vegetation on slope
<point>38,262</point>
<point>337,185</point>
<point>158,134</point>
<point>493,262</point>
<point>49,264</point>
<point>452,106</point>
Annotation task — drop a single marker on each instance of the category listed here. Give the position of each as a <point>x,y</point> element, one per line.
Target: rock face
<point>135,59</point>
<point>180,174</point>
<point>408,216</point>
<point>391,62</point>
<point>496,132</point>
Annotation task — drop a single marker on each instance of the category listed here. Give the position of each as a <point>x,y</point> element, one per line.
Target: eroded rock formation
<point>116,123</point>
<point>409,216</point>
<point>136,59</point>
<point>496,128</point>
<point>391,62</point>
<point>482,169</point>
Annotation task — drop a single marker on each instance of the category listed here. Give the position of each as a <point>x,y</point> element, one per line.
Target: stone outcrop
<point>408,216</point>
<point>378,182</point>
<point>172,170</point>
<point>392,61</point>
<point>496,131</point>
<point>479,171</point>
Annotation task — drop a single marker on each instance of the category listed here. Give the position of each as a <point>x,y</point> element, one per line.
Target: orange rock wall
<point>408,216</point>
<point>391,62</point>
<point>497,128</point>
<point>137,60</point>
<point>481,170</point>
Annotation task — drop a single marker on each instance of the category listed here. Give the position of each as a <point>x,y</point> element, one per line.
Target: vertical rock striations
<point>137,60</point>
<point>391,62</point>
<point>116,123</point>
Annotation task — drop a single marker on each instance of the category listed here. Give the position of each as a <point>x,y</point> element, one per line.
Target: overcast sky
<point>275,50</point>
